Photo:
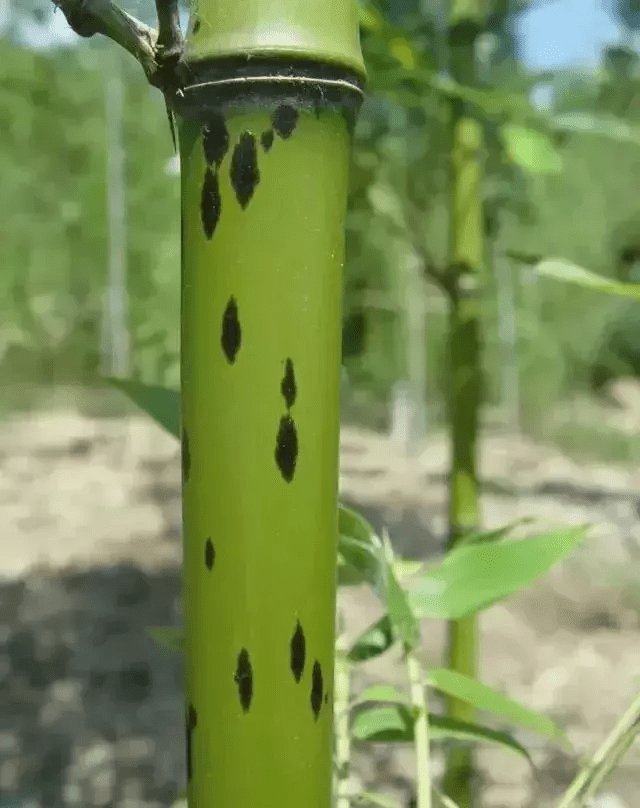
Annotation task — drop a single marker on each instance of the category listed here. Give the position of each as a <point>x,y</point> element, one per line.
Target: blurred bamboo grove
<point>72,275</point>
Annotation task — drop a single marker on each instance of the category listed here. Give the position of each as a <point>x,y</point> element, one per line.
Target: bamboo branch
<point>157,52</point>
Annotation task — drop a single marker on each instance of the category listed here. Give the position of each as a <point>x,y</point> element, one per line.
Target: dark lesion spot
<point>186,456</point>
<point>231,331</point>
<point>288,385</point>
<point>285,119</point>
<point>287,448</point>
<point>316,689</point>
<point>326,698</point>
<point>191,721</point>
<point>210,203</point>
<point>215,139</point>
<point>243,678</point>
<point>196,25</point>
<point>298,652</point>
<point>245,175</point>
<point>267,140</point>
<point>209,554</point>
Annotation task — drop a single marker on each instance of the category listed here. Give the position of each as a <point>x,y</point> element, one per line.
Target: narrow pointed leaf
<point>396,724</point>
<point>443,727</point>
<point>161,403</point>
<point>384,724</point>
<point>530,149</point>
<point>488,536</point>
<point>383,800</point>
<point>404,623</point>
<point>362,558</point>
<point>607,126</point>
<point>378,693</point>
<point>377,639</point>
<point>562,270</point>
<point>354,526</point>
<point>485,698</point>
<point>168,637</point>
<point>473,578</point>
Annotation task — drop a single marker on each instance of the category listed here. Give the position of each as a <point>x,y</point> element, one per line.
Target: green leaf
<point>382,693</point>
<point>354,526</point>
<point>362,560</point>
<point>562,270</point>
<point>443,727</point>
<point>377,639</point>
<point>607,126</point>
<point>473,578</point>
<point>532,150</point>
<point>404,624</point>
<point>167,636</point>
<point>396,724</point>
<point>485,698</point>
<point>488,536</point>
<point>162,404</point>
<point>383,800</point>
<point>384,724</point>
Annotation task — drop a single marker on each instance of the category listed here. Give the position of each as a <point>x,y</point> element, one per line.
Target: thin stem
<point>590,778</point>
<point>421,730</point>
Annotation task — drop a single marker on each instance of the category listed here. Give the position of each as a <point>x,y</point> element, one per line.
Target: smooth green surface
<point>326,30</point>
<point>275,541</point>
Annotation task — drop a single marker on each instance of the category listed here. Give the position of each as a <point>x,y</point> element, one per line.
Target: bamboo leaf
<point>162,404</point>
<point>530,149</point>
<point>489,536</point>
<point>404,624</point>
<point>485,698</point>
<point>351,524</point>
<point>443,727</point>
<point>384,724</point>
<point>379,693</point>
<point>562,270</point>
<point>383,800</point>
<point>363,561</point>
<point>472,578</point>
<point>377,639</point>
<point>168,637</point>
<point>396,724</point>
<point>609,127</point>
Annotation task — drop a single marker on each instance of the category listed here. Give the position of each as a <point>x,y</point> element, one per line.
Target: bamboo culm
<point>264,190</point>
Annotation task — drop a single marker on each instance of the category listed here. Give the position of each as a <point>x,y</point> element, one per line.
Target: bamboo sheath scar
<point>264,145</point>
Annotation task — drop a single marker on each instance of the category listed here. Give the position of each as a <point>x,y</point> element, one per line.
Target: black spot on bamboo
<point>211,202</point>
<point>209,554</point>
<point>245,175</point>
<point>267,140</point>
<point>298,652</point>
<point>231,331</point>
<point>215,139</point>
<point>186,456</point>
<point>318,110</point>
<point>191,721</point>
<point>196,25</point>
<point>243,677</point>
<point>326,698</point>
<point>288,385</point>
<point>316,689</point>
<point>285,120</point>
<point>287,448</point>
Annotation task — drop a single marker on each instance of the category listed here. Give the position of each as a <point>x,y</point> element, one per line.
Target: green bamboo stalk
<point>467,258</point>
<point>264,127</point>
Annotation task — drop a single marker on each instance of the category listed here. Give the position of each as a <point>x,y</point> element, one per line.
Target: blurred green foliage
<point>565,194</point>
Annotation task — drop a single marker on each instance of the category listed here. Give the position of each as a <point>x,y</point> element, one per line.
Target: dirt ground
<point>90,510</point>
